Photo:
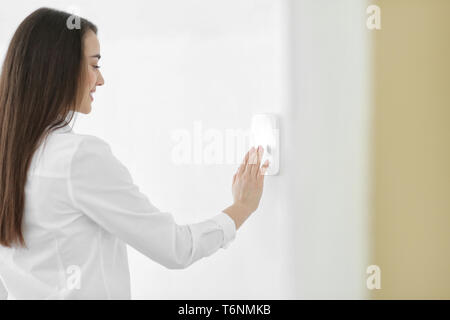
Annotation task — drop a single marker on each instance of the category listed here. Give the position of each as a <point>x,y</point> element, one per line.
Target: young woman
<point>68,207</point>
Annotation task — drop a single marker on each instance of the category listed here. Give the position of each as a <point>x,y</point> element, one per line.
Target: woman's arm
<point>101,187</point>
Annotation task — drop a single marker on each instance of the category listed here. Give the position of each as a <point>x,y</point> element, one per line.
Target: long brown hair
<point>41,84</point>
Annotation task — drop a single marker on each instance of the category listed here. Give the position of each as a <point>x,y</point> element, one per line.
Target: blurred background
<point>411,189</point>
<point>361,96</point>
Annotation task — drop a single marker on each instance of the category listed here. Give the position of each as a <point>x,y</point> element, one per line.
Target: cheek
<point>92,79</point>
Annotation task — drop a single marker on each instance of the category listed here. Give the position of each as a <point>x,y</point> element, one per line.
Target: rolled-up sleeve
<point>101,187</point>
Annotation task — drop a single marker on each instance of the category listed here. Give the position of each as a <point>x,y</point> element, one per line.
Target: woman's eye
<point>96,67</point>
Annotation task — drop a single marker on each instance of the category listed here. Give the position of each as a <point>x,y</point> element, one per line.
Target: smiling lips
<point>90,95</point>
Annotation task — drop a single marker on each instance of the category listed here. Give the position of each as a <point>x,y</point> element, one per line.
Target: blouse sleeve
<point>102,188</point>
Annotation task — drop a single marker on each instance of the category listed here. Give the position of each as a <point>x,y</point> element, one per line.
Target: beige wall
<point>412,149</point>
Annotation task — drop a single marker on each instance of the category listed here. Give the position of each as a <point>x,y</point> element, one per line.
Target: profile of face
<point>94,76</point>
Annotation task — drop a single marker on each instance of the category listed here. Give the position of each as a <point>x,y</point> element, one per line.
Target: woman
<point>68,207</point>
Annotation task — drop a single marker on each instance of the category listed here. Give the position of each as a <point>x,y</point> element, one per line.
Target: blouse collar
<point>66,124</point>
<point>65,129</point>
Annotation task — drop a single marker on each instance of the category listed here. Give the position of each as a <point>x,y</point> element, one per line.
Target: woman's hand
<point>248,181</point>
<point>247,186</point>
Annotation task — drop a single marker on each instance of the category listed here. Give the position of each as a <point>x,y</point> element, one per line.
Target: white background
<point>168,64</point>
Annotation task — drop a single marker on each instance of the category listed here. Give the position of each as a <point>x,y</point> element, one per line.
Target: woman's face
<point>94,76</point>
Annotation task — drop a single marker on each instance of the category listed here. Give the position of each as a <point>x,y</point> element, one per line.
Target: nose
<point>100,80</point>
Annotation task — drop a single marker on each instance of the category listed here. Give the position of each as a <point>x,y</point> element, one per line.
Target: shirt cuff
<point>228,227</point>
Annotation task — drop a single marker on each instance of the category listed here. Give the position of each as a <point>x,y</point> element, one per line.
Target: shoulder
<point>71,144</point>
<point>56,154</point>
<point>93,162</point>
<point>90,149</point>
<point>84,143</point>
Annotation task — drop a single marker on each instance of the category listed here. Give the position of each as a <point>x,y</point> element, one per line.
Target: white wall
<point>329,129</point>
<point>168,64</point>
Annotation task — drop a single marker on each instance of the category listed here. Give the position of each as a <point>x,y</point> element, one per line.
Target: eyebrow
<point>96,56</point>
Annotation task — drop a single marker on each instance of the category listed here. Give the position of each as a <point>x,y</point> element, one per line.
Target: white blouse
<point>81,210</point>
